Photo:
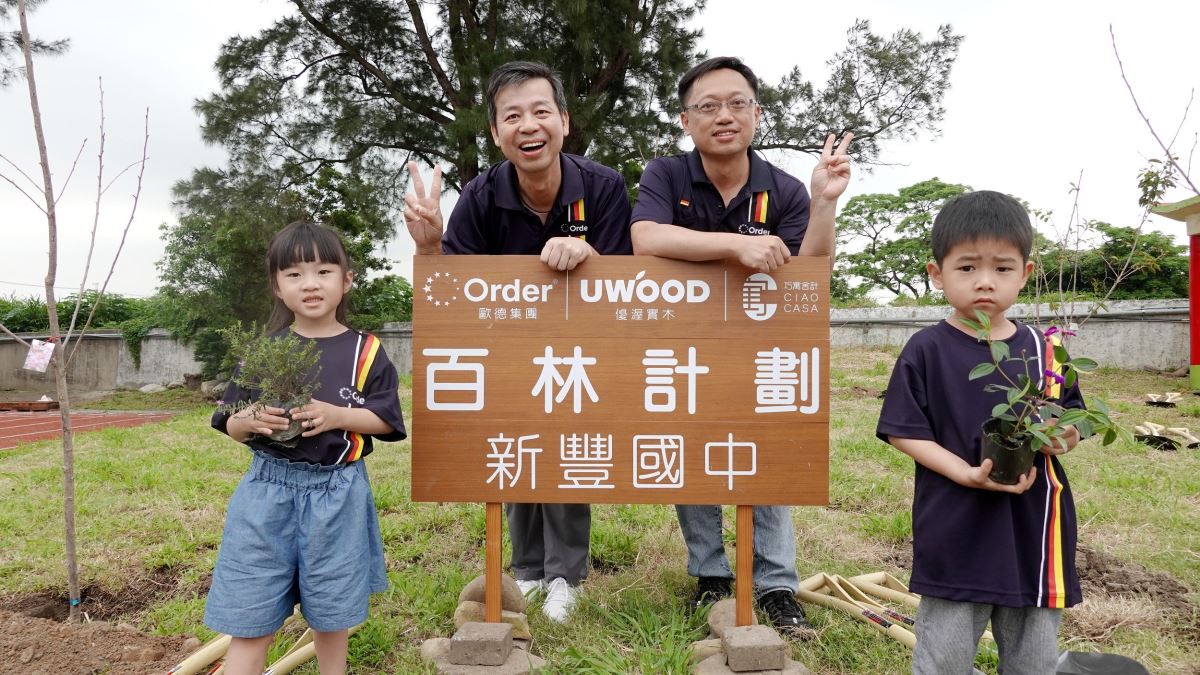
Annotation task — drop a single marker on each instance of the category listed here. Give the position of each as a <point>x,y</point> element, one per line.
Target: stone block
<point>511,597</point>
<point>474,611</point>
<point>722,615</point>
<point>481,644</point>
<point>750,648</point>
<point>702,649</point>
<point>715,665</point>
<point>520,662</point>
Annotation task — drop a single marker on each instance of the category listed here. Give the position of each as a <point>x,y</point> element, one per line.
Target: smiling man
<point>539,201</point>
<point>722,200</point>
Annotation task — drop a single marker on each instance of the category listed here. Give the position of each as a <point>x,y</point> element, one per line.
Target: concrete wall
<point>1123,334</point>
<point>1126,334</point>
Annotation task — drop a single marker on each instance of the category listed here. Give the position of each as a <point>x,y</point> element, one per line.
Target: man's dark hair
<point>982,215</point>
<point>715,63</point>
<point>519,72</point>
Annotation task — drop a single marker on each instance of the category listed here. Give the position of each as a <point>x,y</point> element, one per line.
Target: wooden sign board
<point>629,380</point>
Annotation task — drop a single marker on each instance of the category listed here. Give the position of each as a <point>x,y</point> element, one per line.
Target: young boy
<point>981,550</point>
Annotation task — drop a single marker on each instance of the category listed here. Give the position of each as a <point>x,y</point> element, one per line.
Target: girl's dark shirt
<point>970,544</point>
<point>355,372</point>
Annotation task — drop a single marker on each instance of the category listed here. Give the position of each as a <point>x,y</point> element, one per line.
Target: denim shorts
<point>297,533</point>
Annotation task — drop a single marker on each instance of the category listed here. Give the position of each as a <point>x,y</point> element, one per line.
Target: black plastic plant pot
<point>288,437</point>
<point>1010,459</point>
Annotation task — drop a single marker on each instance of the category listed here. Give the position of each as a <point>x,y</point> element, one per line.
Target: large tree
<point>373,83</point>
<point>888,237</point>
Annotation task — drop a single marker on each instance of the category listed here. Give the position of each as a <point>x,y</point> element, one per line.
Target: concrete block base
<point>481,644</point>
<point>716,665</point>
<point>753,648</point>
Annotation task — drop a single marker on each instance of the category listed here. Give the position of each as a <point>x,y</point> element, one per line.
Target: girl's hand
<point>317,417</point>
<point>256,419</point>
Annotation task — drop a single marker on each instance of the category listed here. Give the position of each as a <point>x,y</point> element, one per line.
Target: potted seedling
<point>281,369</point>
<point>1028,420</point>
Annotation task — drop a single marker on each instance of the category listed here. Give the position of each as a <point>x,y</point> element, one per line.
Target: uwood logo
<point>642,289</point>
<point>752,296</point>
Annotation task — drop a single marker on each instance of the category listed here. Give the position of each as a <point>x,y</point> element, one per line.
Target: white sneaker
<point>560,598</point>
<point>531,587</point>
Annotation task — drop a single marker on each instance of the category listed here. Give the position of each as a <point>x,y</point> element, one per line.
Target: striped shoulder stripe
<point>1052,590</point>
<point>368,348</point>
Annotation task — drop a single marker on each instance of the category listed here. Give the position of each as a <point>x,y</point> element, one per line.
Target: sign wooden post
<point>629,380</point>
<point>494,534</point>
<point>744,586</point>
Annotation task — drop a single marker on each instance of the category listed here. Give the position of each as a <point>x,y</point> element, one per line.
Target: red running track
<point>25,427</point>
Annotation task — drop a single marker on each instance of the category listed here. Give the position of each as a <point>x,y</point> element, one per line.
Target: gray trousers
<point>549,540</point>
<point>948,635</point>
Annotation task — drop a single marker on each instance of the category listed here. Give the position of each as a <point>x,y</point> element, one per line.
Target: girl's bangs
<point>305,242</point>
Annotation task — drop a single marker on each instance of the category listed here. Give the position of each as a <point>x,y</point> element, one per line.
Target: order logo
<point>752,296</point>
<point>441,289</point>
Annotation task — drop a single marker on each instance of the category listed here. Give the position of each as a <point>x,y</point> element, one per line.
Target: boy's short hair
<point>985,214</point>
<point>519,72</point>
<point>716,63</point>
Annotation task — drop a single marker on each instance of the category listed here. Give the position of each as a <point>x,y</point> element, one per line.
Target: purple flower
<point>1051,375</point>
<point>1055,329</point>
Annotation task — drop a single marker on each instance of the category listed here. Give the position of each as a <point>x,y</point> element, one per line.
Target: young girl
<point>301,526</point>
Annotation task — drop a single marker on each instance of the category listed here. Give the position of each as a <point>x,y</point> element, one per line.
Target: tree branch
<point>1165,148</point>
<point>430,55</point>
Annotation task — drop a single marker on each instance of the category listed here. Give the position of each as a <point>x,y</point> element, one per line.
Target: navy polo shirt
<point>676,190</point>
<point>490,219</point>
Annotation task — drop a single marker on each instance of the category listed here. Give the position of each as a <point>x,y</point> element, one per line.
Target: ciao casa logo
<point>443,288</point>
<point>753,289</point>
<point>644,290</point>
<point>760,289</point>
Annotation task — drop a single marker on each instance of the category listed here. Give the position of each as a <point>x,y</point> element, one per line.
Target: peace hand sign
<point>423,211</point>
<point>831,175</point>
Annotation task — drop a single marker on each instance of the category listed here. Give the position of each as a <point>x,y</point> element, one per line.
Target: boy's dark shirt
<point>345,360</point>
<point>489,217</point>
<point>969,544</point>
<point>676,190</point>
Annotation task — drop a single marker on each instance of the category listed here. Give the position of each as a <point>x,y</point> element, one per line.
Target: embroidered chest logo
<point>756,215</point>
<point>576,225</point>
<point>351,394</point>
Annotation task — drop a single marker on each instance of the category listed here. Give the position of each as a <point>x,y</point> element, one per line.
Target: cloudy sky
<point>1036,98</point>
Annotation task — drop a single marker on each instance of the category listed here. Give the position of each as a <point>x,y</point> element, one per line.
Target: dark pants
<point>549,540</point>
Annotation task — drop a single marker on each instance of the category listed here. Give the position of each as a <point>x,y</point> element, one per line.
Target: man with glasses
<point>723,200</point>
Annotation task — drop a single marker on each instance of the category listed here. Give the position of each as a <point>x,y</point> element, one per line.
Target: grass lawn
<point>151,505</point>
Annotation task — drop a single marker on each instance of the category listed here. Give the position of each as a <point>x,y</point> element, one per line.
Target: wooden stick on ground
<point>209,652</point>
<point>297,656</point>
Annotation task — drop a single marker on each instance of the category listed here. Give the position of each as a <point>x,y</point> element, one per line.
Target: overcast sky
<point>1036,98</point>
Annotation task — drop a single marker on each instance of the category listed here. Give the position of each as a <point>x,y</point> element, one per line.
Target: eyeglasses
<point>710,108</point>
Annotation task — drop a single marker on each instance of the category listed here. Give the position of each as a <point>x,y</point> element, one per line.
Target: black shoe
<point>710,590</point>
<point>785,615</point>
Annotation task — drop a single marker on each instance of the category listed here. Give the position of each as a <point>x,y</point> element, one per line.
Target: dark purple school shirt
<point>675,190</point>
<point>354,372</point>
<point>490,219</point>
<point>973,545</point>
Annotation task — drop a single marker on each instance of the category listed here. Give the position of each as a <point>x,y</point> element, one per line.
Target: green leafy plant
<point>1028,418</point>
<point>279,367</point>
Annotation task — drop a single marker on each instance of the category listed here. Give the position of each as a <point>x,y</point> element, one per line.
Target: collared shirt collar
<point>760,172</point>
<point>569,191</point>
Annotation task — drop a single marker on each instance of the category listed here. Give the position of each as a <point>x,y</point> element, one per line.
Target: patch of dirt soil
<point>1101,573</point>
<point>856,392</point>
<point>34,638</point>
<point>43,647</point>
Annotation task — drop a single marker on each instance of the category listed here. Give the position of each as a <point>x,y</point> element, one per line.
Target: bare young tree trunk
<point>60,369</point>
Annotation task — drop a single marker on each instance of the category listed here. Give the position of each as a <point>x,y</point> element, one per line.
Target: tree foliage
<point>373,83</point>
<point>888,238</point>
<point>213,269</point>
<point>881,88</point>
<point>10,42</point>
<point>1157,267</point>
